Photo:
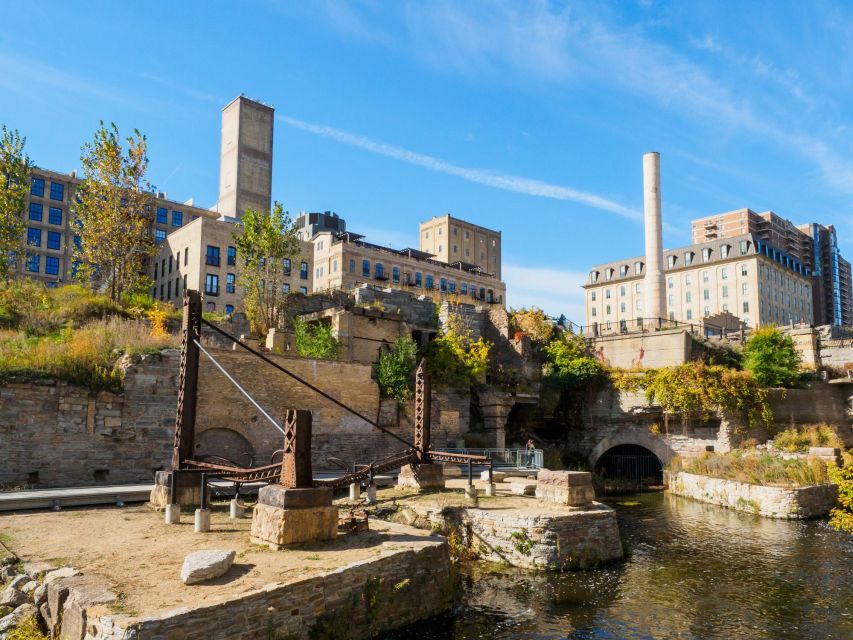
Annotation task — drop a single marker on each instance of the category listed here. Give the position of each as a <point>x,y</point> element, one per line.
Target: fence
<point>514,458</point>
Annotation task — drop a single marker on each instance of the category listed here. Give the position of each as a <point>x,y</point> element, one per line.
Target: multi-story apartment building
<point>50,235</point>
<point>742,275</point>
<point>813,245</point>
<point>203,256</point>
<point>452,240</point>
<point>345,260</point>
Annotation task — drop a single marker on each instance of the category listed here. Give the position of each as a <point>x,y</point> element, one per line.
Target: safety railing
<point>515,458</point>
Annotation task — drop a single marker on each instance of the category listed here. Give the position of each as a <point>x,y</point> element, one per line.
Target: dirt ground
<point>141,556</point>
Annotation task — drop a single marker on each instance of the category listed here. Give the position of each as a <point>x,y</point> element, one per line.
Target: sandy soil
<point>142,556</point>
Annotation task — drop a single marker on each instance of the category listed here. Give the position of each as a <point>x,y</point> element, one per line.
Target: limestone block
<point>523,488</point>
<point>7,623</point>
<point>278,527</point>
<point>29,587</point>
<point>421,476</point>
<point>497,476</point>
<point>83,592</point>
<point>275,495</point>
<point>63,572</point>
<point>206,565</point>
<point>12,595</point>
<point>572,488</point>
<point>40,595</point>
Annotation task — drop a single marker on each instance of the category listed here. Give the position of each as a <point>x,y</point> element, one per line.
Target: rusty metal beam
<point>296,470</point>
<point>188,379</point>
<point>423,413</point>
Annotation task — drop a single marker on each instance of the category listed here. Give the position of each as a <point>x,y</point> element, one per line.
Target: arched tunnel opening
<point>629,467</point>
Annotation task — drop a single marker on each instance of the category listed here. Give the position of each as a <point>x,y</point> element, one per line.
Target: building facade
<point>51,236</point>
<point>203,256</point>
<point>345,261</point>
<point>452,241</point>
<point>741,275</point>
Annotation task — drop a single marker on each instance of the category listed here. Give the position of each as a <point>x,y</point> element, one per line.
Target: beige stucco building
<point>740,275</point>
<point>203,256</point>
<point>345,261</point>
<point>452,240</point>
<point>50,235</point>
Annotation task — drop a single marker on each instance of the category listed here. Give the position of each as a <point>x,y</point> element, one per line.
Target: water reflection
<point>697,571</point>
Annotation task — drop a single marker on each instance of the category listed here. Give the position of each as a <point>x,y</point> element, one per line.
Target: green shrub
<point>771,357</point>
<point>27,629</point>
<point>533,323</point>
<point>453,357</point>
<point>799,439</point>
<point>754,468</point>
<point>395,369</point>
<point>315,339</point>
<point>842,516</point>
<point>569,363</point>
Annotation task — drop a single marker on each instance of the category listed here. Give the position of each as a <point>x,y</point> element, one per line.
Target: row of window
<point>623,308</point>
<point>57,189</point>
<point>163,217</point>
<point>36,214</point>
<point>54,238</point>
<point>417,279</point>
<point>51,264</point>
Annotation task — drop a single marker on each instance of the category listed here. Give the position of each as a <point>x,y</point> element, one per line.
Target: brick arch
<point>657,445</point>
<point>224,442</point>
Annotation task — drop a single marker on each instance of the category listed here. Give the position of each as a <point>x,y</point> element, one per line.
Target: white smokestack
<point>655,291</point>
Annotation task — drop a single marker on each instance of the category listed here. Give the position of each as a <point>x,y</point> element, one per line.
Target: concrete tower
<point>655,290</point>
<point>245,159</point>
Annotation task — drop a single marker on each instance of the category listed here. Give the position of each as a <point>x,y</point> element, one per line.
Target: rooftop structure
<point>452,240</point>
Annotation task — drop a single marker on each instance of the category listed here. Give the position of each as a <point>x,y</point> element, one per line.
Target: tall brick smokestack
<point>655,290</point>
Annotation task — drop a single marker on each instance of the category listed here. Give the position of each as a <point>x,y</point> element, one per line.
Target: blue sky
<point>530,118</point>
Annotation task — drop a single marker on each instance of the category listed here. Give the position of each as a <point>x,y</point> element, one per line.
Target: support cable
<point>237,384</point>
<point>299,380</point>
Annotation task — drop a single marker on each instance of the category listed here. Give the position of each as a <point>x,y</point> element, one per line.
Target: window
<point>451,286</point>
<point>186,256</point>
<point>177,218</point>
<point>724,251</point>
<point>463,288</point>
<point>704,276</point>
<point>57,191</point>
<point>51,265</point>
<point>607,294</point>
<point>155,270</point>
<point>169,290</point>
<point>637,287</point>
<point>352,266</point>
<point>746,307</point>
<point>707,311</point>
<point>379,271</point>
<point>670,283</point>
<point>593,276</point>
<point>335,268</point>
<point>744,288</point>
<point>229,309</point>
<point>33,237</point>
<point>286,267</point>
<point>622,291</point>
<point>725,291</point>
<point>162,216</point>
<point>170,263</point>
<point>623,271</point>
<point>743,247</point>
<point>594,312</point>
<point>177,287</point>
<point>320,245</point>
<point>54,238</point>
<point>639,306</point>
<point>395,274</point>
<point>159,236</point>
<point>212,256</point>
<point>688,280</point>
<point>33,260</point>
<point>608,309</point>
<point>365,268</point>
<point>670,261</point>
<point>690,314</point>
<point>417,278</point>
<point>54,215</point>
<point>638,268</point>
<point>608,274</point>
<point>725,308</point>
<point>285,288</point>
<point>706,254</point>
<point>211,284</point>
<point>671,299</point>
<point>688,297</point>
<point>442,284</point>
<point>303,290</point>
<point>429,282</point>
<point>724,273</point>
<point>303,270</point>
<point>37,187</point>
<point>230,280</point>
<point>622,307</point>
<point>454,249</point>
<point>439,246</point>
<point>706,294</point>
<point>36,211</point>
<point>592,296</point>
<point>688,258</point>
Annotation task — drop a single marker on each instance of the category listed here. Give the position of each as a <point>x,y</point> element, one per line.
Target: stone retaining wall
<point>772,502</point>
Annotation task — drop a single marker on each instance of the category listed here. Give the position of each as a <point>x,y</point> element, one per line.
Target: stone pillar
<point>495,407</point>
<point>570,488</point>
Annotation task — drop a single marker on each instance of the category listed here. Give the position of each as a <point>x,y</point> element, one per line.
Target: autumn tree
<point>109,212</point>
<point>268,239</point>
<point>14,185</point>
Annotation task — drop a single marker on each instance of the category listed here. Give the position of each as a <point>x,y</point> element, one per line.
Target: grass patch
<point>798,440</point>
<point>27,629</point>
<point>754,468</point>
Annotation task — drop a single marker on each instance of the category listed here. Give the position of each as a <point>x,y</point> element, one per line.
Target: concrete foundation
<point>189,490</point>
<point>422,476</point>
<point>236,508</point>
<point>355,491</point>
<point>289,516</point>
<point>569,488</point>
<point>202,520</point>
<point>173,514</point>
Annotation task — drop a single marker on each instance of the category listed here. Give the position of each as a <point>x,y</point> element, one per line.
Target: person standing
<point>531,452</point>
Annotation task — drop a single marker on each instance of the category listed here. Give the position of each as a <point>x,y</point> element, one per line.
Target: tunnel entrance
<point>629,467</point>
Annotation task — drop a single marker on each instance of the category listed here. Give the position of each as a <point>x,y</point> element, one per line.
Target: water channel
<point>696,571</point>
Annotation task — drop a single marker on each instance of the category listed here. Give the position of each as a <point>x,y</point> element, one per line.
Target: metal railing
<point>515,458</point>
<point>646,325</point>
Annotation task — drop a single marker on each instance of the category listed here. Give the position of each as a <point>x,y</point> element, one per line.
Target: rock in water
<point>206,565</point>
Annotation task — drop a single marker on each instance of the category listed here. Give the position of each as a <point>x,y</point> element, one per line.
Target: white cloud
<point>516,184</point>
<point>555,291</point>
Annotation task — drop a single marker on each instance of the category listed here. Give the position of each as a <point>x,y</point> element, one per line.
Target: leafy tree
<point>109,212</point>
<point>569,362</point>
<point>534,323</point>
<point>268,238</point>
<point>315,339</point>
<point>841,517</point>
<point>772,358</point>
<point>14,174</point>
<point>454,357</point>
<point>395,369</point>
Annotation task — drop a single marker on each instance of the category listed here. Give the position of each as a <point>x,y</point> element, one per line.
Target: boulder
<point>523,488</point>
<point>40,595</point>
<point>64,572</point>
<point>497,476</point>
<point>201,566</point>
<point>7,573</point>
<point>12,595</point>
<point>7,623</point>
<point>29,587</point>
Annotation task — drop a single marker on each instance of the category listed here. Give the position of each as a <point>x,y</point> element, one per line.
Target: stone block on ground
<point>201,566</point>
<point>497,476</point>
<point>421,476</point>
<point>277,527</point>
<point>63,572</point>
<point>570,488</point>
<point>9,622</point>
<point>13,595</point>
<point>189,490</point>
<point>452,470</point>
<point>523,488</point>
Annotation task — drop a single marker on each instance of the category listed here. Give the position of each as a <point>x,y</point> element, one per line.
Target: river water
<point>695,571</point>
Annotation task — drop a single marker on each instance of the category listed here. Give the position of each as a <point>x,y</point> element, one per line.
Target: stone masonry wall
<point>772,502</point>
<point>56,434</point>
